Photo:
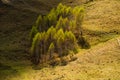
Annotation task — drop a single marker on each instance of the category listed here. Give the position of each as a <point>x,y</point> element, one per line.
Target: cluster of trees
<point>58,33</point>
<point>52,42</point>
<point>63,17</point>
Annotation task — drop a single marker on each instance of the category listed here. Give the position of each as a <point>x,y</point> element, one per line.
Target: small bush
<point>64,61</point>
<point>83,43</point>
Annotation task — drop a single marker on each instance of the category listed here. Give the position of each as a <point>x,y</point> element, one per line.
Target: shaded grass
<point>13,45</point>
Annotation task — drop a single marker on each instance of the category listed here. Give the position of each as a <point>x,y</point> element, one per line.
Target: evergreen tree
<point>60,33</point>
<point>78,16</point>
<point>35,49</point>
<point>33,32</point>
<point>38,21</point>
<point>68,11</point>
<point>51,32</point>
<point>51,49</point>
<point>71,37</point>
<point>72,26</point>
<point>63,10</point>
<point>58,10</point>
<point>52,17</point>
<point>62,23</point>
<point>70,41</point>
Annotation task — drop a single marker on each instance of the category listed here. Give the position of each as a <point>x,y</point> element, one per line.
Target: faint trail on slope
<point>94,54</point>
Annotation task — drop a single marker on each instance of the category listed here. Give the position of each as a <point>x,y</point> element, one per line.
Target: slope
<point>99,63</point>
<point>102,20</point>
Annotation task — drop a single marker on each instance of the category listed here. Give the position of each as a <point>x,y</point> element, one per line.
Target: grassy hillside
<point>102,20</point>
<point>101,62</point>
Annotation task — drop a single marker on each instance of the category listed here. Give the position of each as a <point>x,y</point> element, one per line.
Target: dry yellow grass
<point>102,15</point>
<point>98,63</point>
<point>102,21</point>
